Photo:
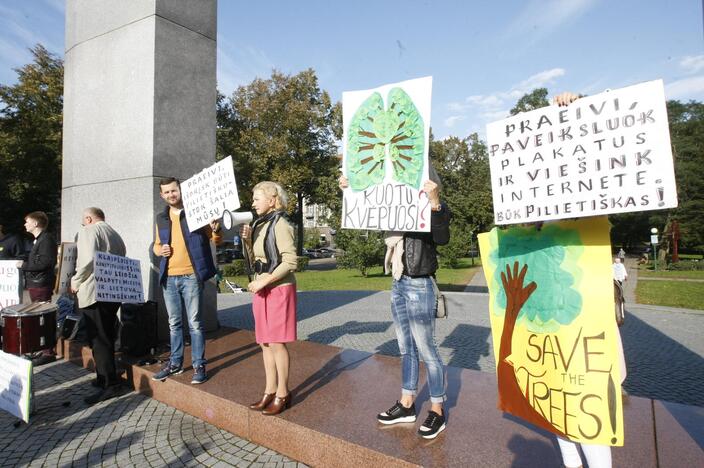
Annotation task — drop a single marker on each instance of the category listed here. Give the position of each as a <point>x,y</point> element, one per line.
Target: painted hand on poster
<point>511,397</point>
<point>555,337</point>
<point>377,135</point>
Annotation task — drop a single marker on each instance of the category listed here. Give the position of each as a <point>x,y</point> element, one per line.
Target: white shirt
<point>619,272</point>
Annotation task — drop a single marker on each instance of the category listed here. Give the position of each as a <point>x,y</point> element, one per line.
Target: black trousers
<point>101,321</point>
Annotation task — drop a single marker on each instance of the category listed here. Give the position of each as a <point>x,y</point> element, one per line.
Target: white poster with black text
<point>117,279</point>
<point>209,193</point>
<point>603,154</point>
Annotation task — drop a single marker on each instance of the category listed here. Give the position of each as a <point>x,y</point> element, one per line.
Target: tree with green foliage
<point>362,249</point>
<point>283,129</point>
<point>687,136</point>
<point>463,167</point>
<point>311,238</point>
<point>30,140</point>
<point>458,247</point>
<point>534,100</point>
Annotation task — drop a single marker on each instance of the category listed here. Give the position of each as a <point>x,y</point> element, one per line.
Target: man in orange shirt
<point>186,263</point>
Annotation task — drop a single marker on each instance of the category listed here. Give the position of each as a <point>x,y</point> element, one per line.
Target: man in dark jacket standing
<point>38,269</point>
<point>186,263</point>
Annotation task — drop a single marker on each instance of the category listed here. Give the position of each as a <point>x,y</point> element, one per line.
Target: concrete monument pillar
<point>139,105</point>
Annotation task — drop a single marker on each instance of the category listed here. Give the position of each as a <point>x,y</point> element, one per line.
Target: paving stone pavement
<point>663,348</point>
<point>130,431</point>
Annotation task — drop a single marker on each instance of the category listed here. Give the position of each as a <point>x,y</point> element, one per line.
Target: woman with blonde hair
<point>270,244</point>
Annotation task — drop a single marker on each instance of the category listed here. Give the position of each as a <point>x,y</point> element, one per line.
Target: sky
<point>483,55</point>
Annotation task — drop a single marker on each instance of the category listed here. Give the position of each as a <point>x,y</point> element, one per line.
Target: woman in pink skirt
<point>269,242</point>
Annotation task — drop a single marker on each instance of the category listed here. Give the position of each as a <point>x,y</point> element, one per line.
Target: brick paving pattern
<point>129,431</point>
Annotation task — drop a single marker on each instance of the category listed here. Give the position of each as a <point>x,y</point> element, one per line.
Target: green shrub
<point>236,268</point>
<point>311,238</point>
<point>686,265</point>
<point>302,263</point>
<point>457,248</point>
<point>362,250</point>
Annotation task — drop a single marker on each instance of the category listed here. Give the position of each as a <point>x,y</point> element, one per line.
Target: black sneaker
<point>434,424</point>
<point>199,375</point>
<point>398,414</point>
<point>166,371</point>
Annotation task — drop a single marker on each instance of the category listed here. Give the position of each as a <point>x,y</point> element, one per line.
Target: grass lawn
<point>671,293</point>
<point>695,274</point>
<point>336,280</point>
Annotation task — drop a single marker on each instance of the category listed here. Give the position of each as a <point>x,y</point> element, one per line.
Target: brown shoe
<point>263,403</point>
<point>278,405</point>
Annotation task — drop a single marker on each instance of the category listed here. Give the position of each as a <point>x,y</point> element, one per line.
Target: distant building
<point>315,217</point>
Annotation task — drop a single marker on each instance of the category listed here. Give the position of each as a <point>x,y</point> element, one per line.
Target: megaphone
<point>230,219</point>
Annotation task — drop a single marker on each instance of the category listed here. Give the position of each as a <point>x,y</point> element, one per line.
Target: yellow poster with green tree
<point>554,330</point>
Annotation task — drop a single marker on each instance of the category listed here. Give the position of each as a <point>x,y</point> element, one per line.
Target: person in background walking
<point>620,273</point>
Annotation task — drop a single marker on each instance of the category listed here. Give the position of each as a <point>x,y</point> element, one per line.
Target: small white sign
<point>209,193</point>
<point>15,385</point>
<point>10,292</point>
<point>607,153</point>
<point>117,279</point>
<point>67,267</point>
<point>654,239</point>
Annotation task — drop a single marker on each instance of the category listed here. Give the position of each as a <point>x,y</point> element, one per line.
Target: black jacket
<point>12,248</point>
<point>39,267</point>
<point>420,258</point>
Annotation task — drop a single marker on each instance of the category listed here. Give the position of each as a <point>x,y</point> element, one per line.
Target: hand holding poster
<point>602,154</point>
<point>67,266</point>
<point>10,293</point>
<point>556,341</point>
<point>209,193</point>
<point>385,157</point>
<point>117,279</point>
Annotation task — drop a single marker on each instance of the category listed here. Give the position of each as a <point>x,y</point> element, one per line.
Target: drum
<point>27,328</point>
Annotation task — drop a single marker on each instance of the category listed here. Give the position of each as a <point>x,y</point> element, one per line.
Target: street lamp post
<point>471,246</point>
<point>654,242</point>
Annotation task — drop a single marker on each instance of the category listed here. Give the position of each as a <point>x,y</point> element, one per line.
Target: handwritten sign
<point>385,157</point>
<point>67,266</point>
<point>209,193</point>
<point>15,385</point>
<point>117,279</point>
<point>10,290</point>
<point>607,153</point>
<point>559,364</point>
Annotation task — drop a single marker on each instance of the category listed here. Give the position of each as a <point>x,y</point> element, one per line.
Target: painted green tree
<point>551,265</point>
<point>376,135</point>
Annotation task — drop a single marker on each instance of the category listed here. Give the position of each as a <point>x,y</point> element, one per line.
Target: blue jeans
<point>179,291</point>
<point>413,309</point>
